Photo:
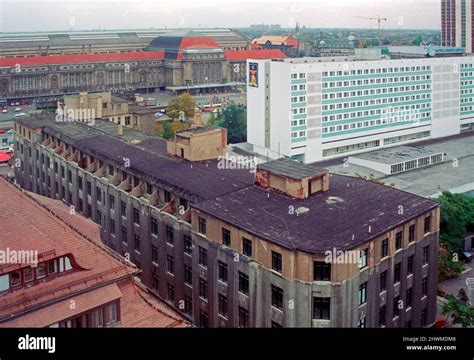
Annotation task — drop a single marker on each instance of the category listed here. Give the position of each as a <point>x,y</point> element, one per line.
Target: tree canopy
<point>184,104</point>
<point>234,119</point>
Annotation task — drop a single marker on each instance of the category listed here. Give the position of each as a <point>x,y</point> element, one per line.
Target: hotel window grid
<point>188,275</point>
<point>203,288</point>
<point>321,308</point>
<point>277,297</point>
<point>276,261</point>
<point>202,226</point>
<point>203,257</point>
<point>98,194</point>
<point>169,235</point>
<point>247,247</point>
<point>225,237</point>
<point>321,271</point>
<point>222,273</point>
<point>243,283</point>
<point>170,264</point>
<point>188,245</point>
<point>363,293</point>
<point>223,305</point>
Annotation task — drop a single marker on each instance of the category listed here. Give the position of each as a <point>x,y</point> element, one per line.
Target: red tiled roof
<point>31,222</point>
<point>62,310</point>
<point>254,54</point>
<point>255,46</point>
<point>82,58</point>
<point>189,42</point>
<point>292,42</point>
<point>81,224</point>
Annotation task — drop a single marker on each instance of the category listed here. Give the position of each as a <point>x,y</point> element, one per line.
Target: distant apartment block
<point>456,24</point>
<point>231,248</point>
<point>315,109</point>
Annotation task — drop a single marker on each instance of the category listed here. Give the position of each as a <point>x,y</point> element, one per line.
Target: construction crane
<point>378,18</point>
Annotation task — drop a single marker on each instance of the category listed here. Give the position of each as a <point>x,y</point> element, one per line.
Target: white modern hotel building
<point>314,109</point>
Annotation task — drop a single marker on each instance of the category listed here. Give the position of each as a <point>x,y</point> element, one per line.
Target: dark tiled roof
<point>147,157</point>
<point>291,168</point>
<point>338,218</point>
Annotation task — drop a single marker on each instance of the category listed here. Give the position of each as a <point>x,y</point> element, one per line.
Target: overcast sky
<point>47,15</point>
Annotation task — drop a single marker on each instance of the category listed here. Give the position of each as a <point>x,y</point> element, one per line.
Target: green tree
<point>234,119</point>
<point>167,131</point>
<point>457,217</point>
<point>461,312</point>
<point>448,266</point>
<point>184,104</point>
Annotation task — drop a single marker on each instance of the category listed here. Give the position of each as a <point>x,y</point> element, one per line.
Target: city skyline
<point>67,15</point>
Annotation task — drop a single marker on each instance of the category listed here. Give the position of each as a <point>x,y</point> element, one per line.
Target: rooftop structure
<point>397,159</point>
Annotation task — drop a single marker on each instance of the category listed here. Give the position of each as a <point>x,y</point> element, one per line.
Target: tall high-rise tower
<point>456,24</point>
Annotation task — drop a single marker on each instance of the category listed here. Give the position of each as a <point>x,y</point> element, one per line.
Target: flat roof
<point>394,155</point>
<point>426,181</point>
<point>147,158</point>
<point>291,168</point>
<point>353,211</point>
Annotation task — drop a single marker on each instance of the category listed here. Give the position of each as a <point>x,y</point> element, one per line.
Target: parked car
<point>18,109</point>
<point>466,256</point>
<point>20,114</point>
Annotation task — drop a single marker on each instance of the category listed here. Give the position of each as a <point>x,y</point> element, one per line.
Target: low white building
<point>314,109</point>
